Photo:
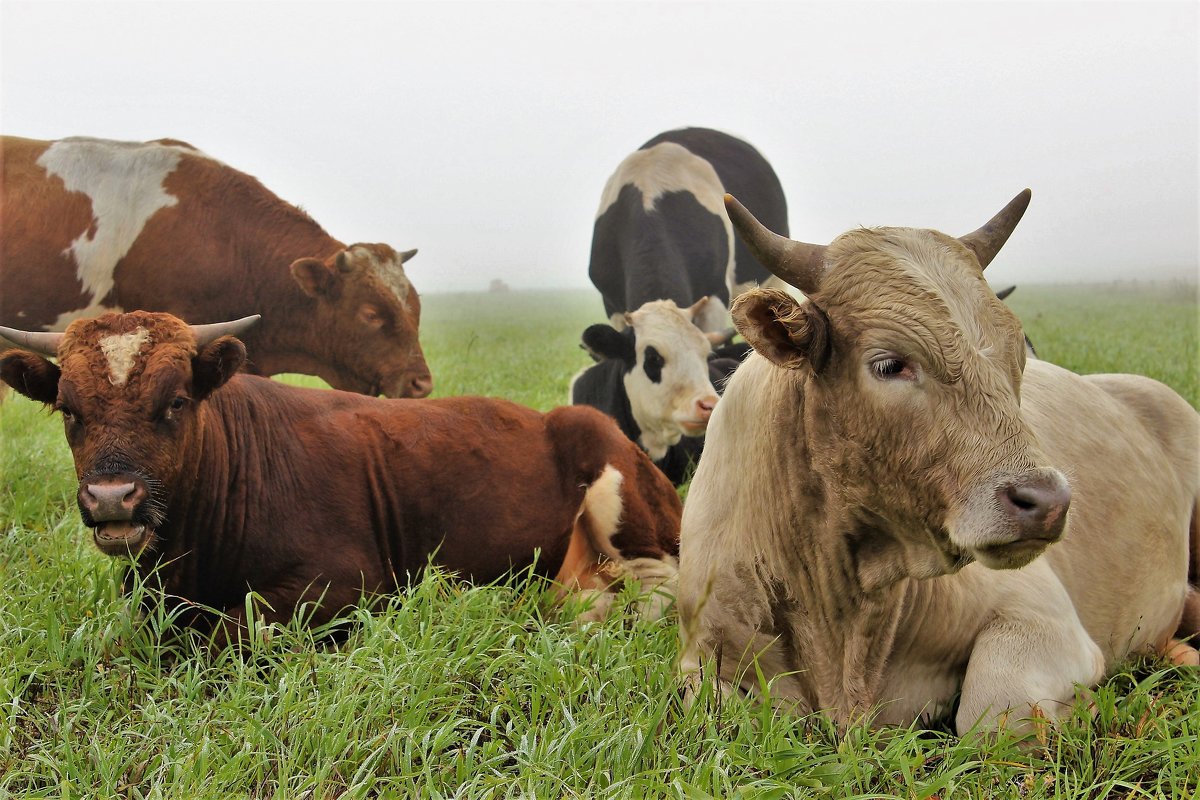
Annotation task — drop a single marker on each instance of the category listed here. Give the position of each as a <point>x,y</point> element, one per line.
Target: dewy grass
<point>459,691</point>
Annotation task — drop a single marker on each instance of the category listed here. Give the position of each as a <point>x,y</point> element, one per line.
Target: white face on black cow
<point>666,377</point>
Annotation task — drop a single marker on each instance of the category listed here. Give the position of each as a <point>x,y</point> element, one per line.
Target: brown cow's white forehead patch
<point>389,271</point>
<point>121,350</point>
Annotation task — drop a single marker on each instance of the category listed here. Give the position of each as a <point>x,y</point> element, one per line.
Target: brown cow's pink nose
<point>1037,504</point>
<point>420,386</point>
<point>704,407</point>
<point>106,501</point>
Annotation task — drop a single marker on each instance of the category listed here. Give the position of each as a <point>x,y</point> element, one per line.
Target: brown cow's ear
<point>788,333</point>
<point>315,277</point>
<point>215,364</point>
<point>31,375</point>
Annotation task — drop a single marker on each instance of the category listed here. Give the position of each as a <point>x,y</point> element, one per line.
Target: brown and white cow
<point>880,478</point>
<point>217,482</point>
<point>93,225</point>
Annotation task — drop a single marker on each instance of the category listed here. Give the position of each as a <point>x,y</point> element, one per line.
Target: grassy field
<point>485,691</point>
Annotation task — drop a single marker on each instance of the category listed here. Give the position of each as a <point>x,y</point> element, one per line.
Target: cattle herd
<point>897,514</point>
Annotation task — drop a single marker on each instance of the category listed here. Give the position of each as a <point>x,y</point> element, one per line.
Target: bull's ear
<point>606,342</point>
<point>787,332</point>
<point>31,375</point>
<point>316,278</point>
<point>215,364</point>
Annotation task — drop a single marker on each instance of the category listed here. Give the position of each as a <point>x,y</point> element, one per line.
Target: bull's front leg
<point>1028,658</point>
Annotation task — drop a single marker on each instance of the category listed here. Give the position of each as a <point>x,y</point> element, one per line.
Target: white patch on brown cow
<point>594,567</point>
<point>389,271</point>
<point>121,350</point>
<point>87,312</point>
<point>124,181</point>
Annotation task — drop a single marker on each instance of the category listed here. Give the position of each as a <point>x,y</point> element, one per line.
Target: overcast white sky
<point>483,133</point>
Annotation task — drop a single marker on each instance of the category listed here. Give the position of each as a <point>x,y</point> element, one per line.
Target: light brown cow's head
<point>368,308</point>
<point>129,388</point>
<point>911,370</point>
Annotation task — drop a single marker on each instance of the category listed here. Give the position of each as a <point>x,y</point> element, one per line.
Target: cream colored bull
<point>882,475</point>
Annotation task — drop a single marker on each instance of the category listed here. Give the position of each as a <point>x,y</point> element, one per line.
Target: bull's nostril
<point>1038,504</point>
<point>1021,500</point>
<point>421,386</point>
<point>107,501</point>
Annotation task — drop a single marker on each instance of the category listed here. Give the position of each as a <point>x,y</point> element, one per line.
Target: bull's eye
<point>891,368</point>
<point>175,406</point>
<point>69,416</point>
<point>653,362</point>
<point>370,316</point>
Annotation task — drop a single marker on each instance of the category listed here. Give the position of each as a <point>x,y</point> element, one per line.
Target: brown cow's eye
<point>891,369</point>
<point>69,416</point>
<point>176,405</point>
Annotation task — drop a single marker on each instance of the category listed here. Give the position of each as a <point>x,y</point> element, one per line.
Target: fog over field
<point>483,133</point>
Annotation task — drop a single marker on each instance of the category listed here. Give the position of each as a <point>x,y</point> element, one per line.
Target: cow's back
<point>1128,446</point>
<point>93,225</point>
<point>746,175</point>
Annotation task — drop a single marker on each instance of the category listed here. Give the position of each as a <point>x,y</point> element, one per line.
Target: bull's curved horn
<point>213,330</point>
<point>988,240</point>
<point>42,342</point>
<point>799,264</point>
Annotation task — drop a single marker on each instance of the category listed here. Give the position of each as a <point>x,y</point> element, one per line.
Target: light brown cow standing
<point>92,225</point>
<point>217,483</point>
<point>881,477</point>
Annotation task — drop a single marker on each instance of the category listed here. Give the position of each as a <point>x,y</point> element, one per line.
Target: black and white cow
<point>662,233</point>
<point>667,265</point>
<point>661,403</point>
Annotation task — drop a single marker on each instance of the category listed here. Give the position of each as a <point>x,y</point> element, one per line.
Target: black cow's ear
<point>606,342</point>
<point>215,364</point>
<point>31,375</point>
<point>787,332</point>
<point>315,278</point>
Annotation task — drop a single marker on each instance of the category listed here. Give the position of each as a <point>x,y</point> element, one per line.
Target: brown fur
<point>224,251</point>
<point>296,492</point>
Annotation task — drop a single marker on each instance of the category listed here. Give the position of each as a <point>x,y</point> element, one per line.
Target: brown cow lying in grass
<point>877,549</point>
<point>217,482</point>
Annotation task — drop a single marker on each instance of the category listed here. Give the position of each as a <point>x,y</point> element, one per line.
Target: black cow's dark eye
<point>653,363</point>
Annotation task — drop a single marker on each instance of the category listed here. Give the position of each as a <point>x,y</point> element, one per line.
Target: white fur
<point>121,350</point>
<point>390,273</point>
<point>602,505</point>
<point>659,408</point>
<point>124,181</point>
<point>657,577</point>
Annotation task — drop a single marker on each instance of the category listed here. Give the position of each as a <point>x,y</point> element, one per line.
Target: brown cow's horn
<point>988,240</point>
<point>42,342</point>
<point>802,265</point>
<point>207,333</point>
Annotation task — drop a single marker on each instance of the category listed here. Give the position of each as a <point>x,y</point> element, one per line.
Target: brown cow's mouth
<point>121,538</point>
<point>1012,555</point>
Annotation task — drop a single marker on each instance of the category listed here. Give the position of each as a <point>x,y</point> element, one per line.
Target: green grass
<point>485,691</point>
